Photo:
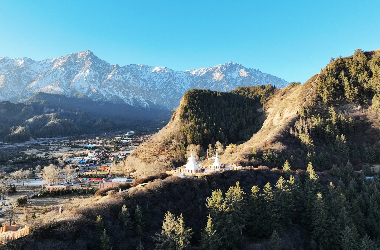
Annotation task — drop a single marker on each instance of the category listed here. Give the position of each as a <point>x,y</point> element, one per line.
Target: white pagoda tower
<point>216,165</point>
<point>192,166</point>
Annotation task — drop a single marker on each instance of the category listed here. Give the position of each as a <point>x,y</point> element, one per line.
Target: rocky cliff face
<point>85,75</point>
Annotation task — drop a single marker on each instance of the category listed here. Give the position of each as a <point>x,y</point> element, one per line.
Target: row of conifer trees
<point>298,211</point>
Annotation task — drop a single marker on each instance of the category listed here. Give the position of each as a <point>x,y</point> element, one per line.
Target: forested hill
<point>329,120</point>
<point>204,117</point>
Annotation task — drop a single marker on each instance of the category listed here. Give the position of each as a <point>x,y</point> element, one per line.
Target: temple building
<point>192,166</point>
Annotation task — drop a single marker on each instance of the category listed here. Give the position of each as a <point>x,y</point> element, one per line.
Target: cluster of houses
<point>93,157</point>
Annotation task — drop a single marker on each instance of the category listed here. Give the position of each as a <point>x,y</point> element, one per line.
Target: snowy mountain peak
<point>84,74</point>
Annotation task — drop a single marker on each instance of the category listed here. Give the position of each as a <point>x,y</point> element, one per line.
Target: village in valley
<point>70,170</point>
<point>51,174</point>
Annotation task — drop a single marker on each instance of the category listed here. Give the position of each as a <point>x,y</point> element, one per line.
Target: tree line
<point>342,216</point>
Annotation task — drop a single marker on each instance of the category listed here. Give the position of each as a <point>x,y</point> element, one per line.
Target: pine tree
<point>367,244</point>
<point>320,223</point>
<point>268,193</point>
<point>210,239</point>
<point>166,239</point>
<point>269,211</point>
<point>183,234</point>
<point>255,192</point>
<point>229,214</point>
<point>350,238</point>
<point>338,211</point>
<point>99,224</point>
<point>140,223</point>
<point>281,184</point>
<point>140,246</point>
<point>125,217</point>
<point>311,172</point>
<point>215,202</point>
<point>105,241</point>
<point>297,195</point>
<point>174,234</point>
<point>256,217</point>
<point>286,169</point>
<point>275,241</point>
<point>310,191</point>
<point>283,203</point>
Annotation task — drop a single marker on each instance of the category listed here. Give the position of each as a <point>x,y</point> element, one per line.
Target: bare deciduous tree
<point>50,174</point>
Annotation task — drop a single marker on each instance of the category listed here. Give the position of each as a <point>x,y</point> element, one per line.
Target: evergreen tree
<point>281,184</point>
<point>99,224</point>
<point>367,244</point>
<point>183,234</point>
<point>256,217</point>
<point>174,234</point>
<point>338,212</point>
<point>268,193</point>
<point>275,241</point>
<point>270,211</point>
<point>350,238</point>
<point>310,191</point>
<point>166,239</point>
<point>297,195</point>
<point>320,223</point>
<point>140,223</point>
<point>105,241</point>
<point>311,172</point>
<point>228,213</point>
<point>286,169</point>
<point>210,239</point>
<point>140,246</point>
<point>283,202</point>
<point>125,217</point>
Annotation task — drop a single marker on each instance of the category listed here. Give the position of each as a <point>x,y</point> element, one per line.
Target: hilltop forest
<point>203,119</point>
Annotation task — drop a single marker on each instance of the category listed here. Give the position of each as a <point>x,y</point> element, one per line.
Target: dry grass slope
<point>281,112</point>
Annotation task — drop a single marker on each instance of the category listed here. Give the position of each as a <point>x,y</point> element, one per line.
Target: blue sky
<point>289,39</point>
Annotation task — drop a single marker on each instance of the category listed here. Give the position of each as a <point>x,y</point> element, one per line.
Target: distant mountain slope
<point>49,115</point>
<point>84,74</point>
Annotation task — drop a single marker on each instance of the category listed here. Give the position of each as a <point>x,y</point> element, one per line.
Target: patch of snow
<point>243,73</point>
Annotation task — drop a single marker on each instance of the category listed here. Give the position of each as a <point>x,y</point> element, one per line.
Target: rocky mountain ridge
<point>85,75</point>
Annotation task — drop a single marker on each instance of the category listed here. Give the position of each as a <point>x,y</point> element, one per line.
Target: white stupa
<point>192,166</point>
<point>216,165</point>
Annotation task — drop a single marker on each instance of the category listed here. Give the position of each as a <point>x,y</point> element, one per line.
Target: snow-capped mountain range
<point>85,75</point>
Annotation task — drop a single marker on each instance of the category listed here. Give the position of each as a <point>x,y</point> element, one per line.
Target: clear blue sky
<point>289,39</point>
